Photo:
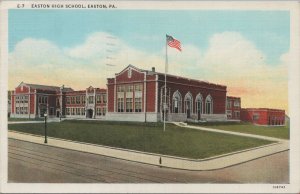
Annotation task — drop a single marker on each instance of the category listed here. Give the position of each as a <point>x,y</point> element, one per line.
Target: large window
<point>176,102</point>
<point>188,103</point>
<point>104,98</point>
<point>138,87</point>
<point>83,99</point>
<point>72,100</point>
<point>98,111</point>
<point>199,102</point>
<point>68,100</point>
<point>77,99</point>
<point>209,105</point>
<point>120,104</point>
<point>98,99</point>
<point>91,99</point>
<point>236,103</point>
<point>138,104</point>
<point>120,88</point>
<point>228,103</point>
<point>129,105</point>
<point>129,88</point>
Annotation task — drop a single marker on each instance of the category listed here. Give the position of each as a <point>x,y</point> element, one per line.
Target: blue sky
<point>146,29</point>
<point>248,51</point>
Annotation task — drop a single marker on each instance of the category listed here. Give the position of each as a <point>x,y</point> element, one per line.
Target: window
<point>120,104</point>
<point>188,102</point>
<point>91,99</point>
<point>98,99</point>
<point>128,104</point>
<point>98,111</point>
<point>199,109</point>
<point>229,114</point>
<point>104,98</point>
<point>68,111</point>
<point>83,99</point>
<point>17,99</point>
<point>176,102</point>
<point>237,114</point>
<point>72,100</point>
<point>236,103</point>
<point>255,117</point>
<point>25,99</point>
<point>228,103</point>
<point>73,111</point>
<point>18,110</point>
<point>138,104</point>
<point>120,88</point>
<point>129,88</point>
<point>138,87</point>
<point>68,100</point>
<point>77,99</point>
<point>208,105</point>
<point>82,111</point>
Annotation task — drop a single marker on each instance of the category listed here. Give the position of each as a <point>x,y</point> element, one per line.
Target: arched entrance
<point>90,113</point>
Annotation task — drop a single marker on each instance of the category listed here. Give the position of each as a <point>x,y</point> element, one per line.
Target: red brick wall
<point>266,116</point>
<point>151,89</point>
<point>20,91</point>
<point>218,93</point>
<point>135,76</point>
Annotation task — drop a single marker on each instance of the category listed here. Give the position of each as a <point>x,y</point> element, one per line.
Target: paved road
<point>34,163</point>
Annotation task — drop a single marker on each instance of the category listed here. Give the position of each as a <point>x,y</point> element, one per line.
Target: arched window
<point>176,104</point>
<point>188,103</point>
<point>208,105</point>
<point>199,104</point>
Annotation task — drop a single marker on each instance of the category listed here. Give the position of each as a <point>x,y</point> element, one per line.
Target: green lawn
<point>149,137</point>
<point>282,132</point>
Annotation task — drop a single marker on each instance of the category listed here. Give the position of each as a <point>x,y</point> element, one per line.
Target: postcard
<point>150,97</point>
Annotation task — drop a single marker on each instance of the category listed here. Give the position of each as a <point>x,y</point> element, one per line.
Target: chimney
<point>153,69</point>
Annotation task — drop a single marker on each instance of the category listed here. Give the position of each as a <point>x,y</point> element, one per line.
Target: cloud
<point>230,59</point>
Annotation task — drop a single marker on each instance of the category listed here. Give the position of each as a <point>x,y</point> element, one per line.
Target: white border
<point>294,104</point>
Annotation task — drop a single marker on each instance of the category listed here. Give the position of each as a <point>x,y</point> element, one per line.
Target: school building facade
<point>34,101</point>
<point>139,95</point>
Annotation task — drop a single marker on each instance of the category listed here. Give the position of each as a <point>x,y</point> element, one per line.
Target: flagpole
<point>166,69</point>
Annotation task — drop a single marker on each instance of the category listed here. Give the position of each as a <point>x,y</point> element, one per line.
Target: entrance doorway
<point>89,113</point>
<point>57,113</point>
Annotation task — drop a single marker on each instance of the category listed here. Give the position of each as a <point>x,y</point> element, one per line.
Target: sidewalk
<point>228,132</point>
<point>212,163</point>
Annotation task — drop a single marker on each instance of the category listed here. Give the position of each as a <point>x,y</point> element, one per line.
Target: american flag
<point>172,42</point>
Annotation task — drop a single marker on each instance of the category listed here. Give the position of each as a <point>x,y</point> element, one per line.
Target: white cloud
<point>230,59</point>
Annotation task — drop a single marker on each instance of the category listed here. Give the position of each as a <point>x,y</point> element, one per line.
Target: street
<point>34,163</point>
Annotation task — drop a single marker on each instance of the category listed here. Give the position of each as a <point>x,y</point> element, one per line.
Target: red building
<point>32,101</point>
<point>233,108</point>
<point>138,95</point>
<point>263,116</point>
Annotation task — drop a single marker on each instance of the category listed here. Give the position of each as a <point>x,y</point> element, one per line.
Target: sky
<point>248,51</point>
